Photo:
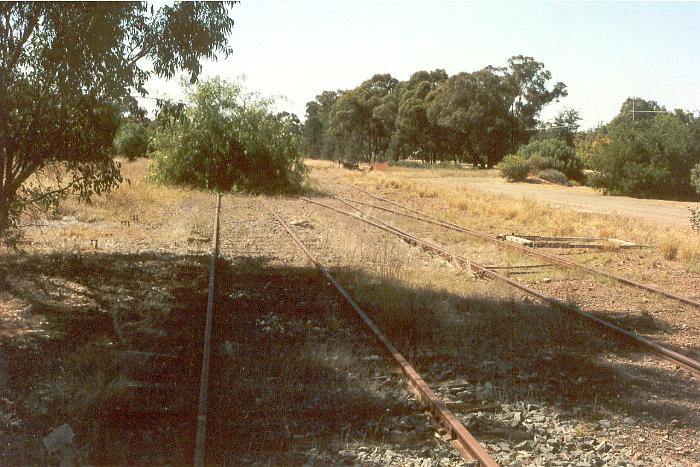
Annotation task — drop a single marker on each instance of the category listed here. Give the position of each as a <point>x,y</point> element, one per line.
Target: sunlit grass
<point>495,213</point>
<point>137,212</point>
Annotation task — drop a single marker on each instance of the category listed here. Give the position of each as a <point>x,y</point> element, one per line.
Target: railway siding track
<point>451,429</point>
<point>454,431</point>
<point>414,214</point>
<point>200,442</point>
<point>457,434</point>
<point>667,354</point>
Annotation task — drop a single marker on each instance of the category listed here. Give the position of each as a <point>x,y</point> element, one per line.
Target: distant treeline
<point>483,116</point>
<point>475,117</point>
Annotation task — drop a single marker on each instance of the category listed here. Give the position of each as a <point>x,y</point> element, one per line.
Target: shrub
<point>669,247</point>
<point>695,178</point>
<point>553,176</point>
<point>587,143</point>
<point>695,219</point>
<point>556,155</point>
<point>131,140</point>
<point>537,163</point>
<point>228,140</point>
<point>652,158</point>
<point>514,168</point>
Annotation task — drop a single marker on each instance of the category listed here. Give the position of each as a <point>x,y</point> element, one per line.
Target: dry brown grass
<point>136,213</point>
<point>436,312</point>
<point>504,214</point>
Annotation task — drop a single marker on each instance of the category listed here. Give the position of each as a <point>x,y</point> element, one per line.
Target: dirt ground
<point>295,379</point>
<point>581,199</point>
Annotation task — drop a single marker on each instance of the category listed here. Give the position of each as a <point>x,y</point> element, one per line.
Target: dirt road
<point>578,198</point>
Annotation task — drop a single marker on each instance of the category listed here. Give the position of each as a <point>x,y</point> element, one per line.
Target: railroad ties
<point>457,434</point>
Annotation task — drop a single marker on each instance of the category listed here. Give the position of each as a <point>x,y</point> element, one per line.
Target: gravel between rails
<point>342,403</point>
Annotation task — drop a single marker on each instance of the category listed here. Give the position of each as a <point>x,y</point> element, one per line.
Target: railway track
<point>660,351</point>
<point>454,431</point>
<point>557,260</point>
<point>200,442</point>
<point>452,428</point>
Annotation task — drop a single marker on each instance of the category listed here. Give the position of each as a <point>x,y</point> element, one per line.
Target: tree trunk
<point>4,213</point>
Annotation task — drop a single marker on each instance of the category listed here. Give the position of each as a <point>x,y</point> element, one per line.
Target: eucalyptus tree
<point>361,120</point>
<point>316,123</point>
<point>564,126</point>
<point>492,109</point>
<point>649,157</point>
<point>65,68</point>
<point>527,79</point>
<point>636,109</point>
<point>472,105</point>
<point>415,135</point>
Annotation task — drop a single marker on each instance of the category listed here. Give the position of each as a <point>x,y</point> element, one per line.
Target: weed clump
<point>553,176</point>
<point>669,248</point>
<point>514,168</point>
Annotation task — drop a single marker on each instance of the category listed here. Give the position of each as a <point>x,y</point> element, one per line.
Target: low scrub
<point>131,140</point>
<point>553,154</point>
<point>553,176</point>
<point>550,159</point>
<point>669,246</point>
<point>695,219</point>
<point>649,159</point>
<point>227,139</point>
<point>514,168</point>
<point>695,177</point>
<point>414,164</point>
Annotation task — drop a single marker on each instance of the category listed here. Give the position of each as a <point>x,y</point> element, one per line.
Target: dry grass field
<point>504,214</point>
<point>295,379</point>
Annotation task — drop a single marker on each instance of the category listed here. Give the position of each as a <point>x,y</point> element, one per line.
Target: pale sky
<point>603,52</point>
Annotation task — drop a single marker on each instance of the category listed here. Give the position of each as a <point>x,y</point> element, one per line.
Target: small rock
<point>59,438</point>
<point>517,418</point>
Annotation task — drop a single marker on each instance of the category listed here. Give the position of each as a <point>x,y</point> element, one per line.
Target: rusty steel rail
<point>460,438</point>
<point>514,246</point>
<point>667,354</point>
<point>200,441</point>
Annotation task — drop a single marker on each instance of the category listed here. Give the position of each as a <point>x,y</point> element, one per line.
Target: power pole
<point>634,111</point>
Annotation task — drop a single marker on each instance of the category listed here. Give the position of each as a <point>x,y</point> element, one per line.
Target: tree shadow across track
<point>293,376</point>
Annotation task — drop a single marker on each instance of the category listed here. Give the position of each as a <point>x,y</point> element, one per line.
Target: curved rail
<point>514,246</point>
<point>464,442</point>
<point>667,354</point>
<point>206,354</point>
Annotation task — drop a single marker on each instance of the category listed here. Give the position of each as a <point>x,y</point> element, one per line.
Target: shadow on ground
<point>292,374</point>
